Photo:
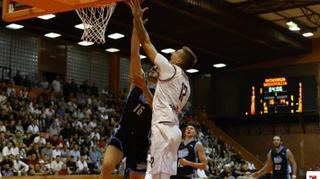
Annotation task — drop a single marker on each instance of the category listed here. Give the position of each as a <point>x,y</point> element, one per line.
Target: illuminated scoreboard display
<point>276,96</point>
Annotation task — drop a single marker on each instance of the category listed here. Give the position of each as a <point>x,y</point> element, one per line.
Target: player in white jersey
<point>172,93</point>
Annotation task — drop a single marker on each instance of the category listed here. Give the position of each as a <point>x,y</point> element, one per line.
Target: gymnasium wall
<point>223,98</point>
<point>18,52</point>
<point>36,56</point>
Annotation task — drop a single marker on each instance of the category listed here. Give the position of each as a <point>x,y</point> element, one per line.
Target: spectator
<point>75,153</point>
<point>17,78</point>
<point>45,164</point>
<point>73,87</point>
<point>56,165</point>
<point>32,160</point>
<point>94,89</point>
<point>6,161</point>
<point>23,151</point>
<point>10,149</point>
<point>60,141</point>
<point>33,127</point>
<point>12,125</point>
<point>64,170</point>
<point>40,139</point>
<point>27,82</point>
<point>227,172</point>
<point>17,137</point>
<point>82,166</point>
<point>2,127</point>
<point>71,164</point>
<point>20,168</point>
<point>36,170</point>
<point>19,127</point>
<point>95,156</point>
<point>55,127</point>
<point>7,171</point>
<point>84,87</point>
<point>56,85</point>
<point>44,83</point>
<point>56,151</point>
<point>47,150</point>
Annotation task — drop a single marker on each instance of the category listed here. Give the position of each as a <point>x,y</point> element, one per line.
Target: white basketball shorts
<point>165,141</point>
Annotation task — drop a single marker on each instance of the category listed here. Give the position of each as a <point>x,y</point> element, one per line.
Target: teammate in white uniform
<point>172,93</point>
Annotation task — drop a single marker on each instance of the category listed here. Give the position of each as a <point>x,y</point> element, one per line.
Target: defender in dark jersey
<point>191,155</point>
<point>131,139</point>
<point>281,160</point>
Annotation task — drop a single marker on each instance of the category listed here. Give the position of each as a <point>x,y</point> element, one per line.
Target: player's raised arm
<point>135,62</point>
<point>140,82</point>
<point>143,35</point>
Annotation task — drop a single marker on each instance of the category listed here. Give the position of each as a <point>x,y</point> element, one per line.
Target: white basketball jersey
<point>170,97</point>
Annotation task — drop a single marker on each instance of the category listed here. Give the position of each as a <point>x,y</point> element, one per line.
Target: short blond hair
<point>190,59</point>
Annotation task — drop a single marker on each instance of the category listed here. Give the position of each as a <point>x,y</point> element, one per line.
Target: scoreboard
<point>280,95</point>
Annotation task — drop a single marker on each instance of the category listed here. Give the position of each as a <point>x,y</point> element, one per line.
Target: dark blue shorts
<point>134,148</point>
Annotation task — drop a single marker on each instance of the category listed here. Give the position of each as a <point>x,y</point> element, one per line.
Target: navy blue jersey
<point>137,114</point>
<point>187,151</point>
<point>280,163</point>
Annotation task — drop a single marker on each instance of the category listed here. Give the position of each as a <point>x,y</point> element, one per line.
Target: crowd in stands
<point>64,130</point>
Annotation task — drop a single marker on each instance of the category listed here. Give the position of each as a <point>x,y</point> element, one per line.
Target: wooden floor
<point>60,177</point>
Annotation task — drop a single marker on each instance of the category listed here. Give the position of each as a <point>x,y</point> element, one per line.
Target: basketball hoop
<point>95,21</point>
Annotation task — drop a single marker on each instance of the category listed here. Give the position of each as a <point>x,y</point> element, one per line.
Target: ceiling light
<point>81,26</point>
<point>142,57</point>
<point>308,34</point>
<point>85,43</point>
<point>14,26</point>
<point>291,23</point>
<point>116,36</point>
<point>192,70</point>
<point>52,35</point>
<point>112,50</point>
<point>293,26</point>
<point>219,65</point>
<point>168,50</point>
<point>47,17</point>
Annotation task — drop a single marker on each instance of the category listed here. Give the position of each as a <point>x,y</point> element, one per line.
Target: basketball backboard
<point>15,10</point>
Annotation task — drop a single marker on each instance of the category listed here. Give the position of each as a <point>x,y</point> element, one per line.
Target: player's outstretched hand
<point>183,162</point>
<point>136,9</point>
<point>138,80</point>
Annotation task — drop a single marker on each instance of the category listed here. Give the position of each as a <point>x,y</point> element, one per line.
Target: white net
<point>95,21</point>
